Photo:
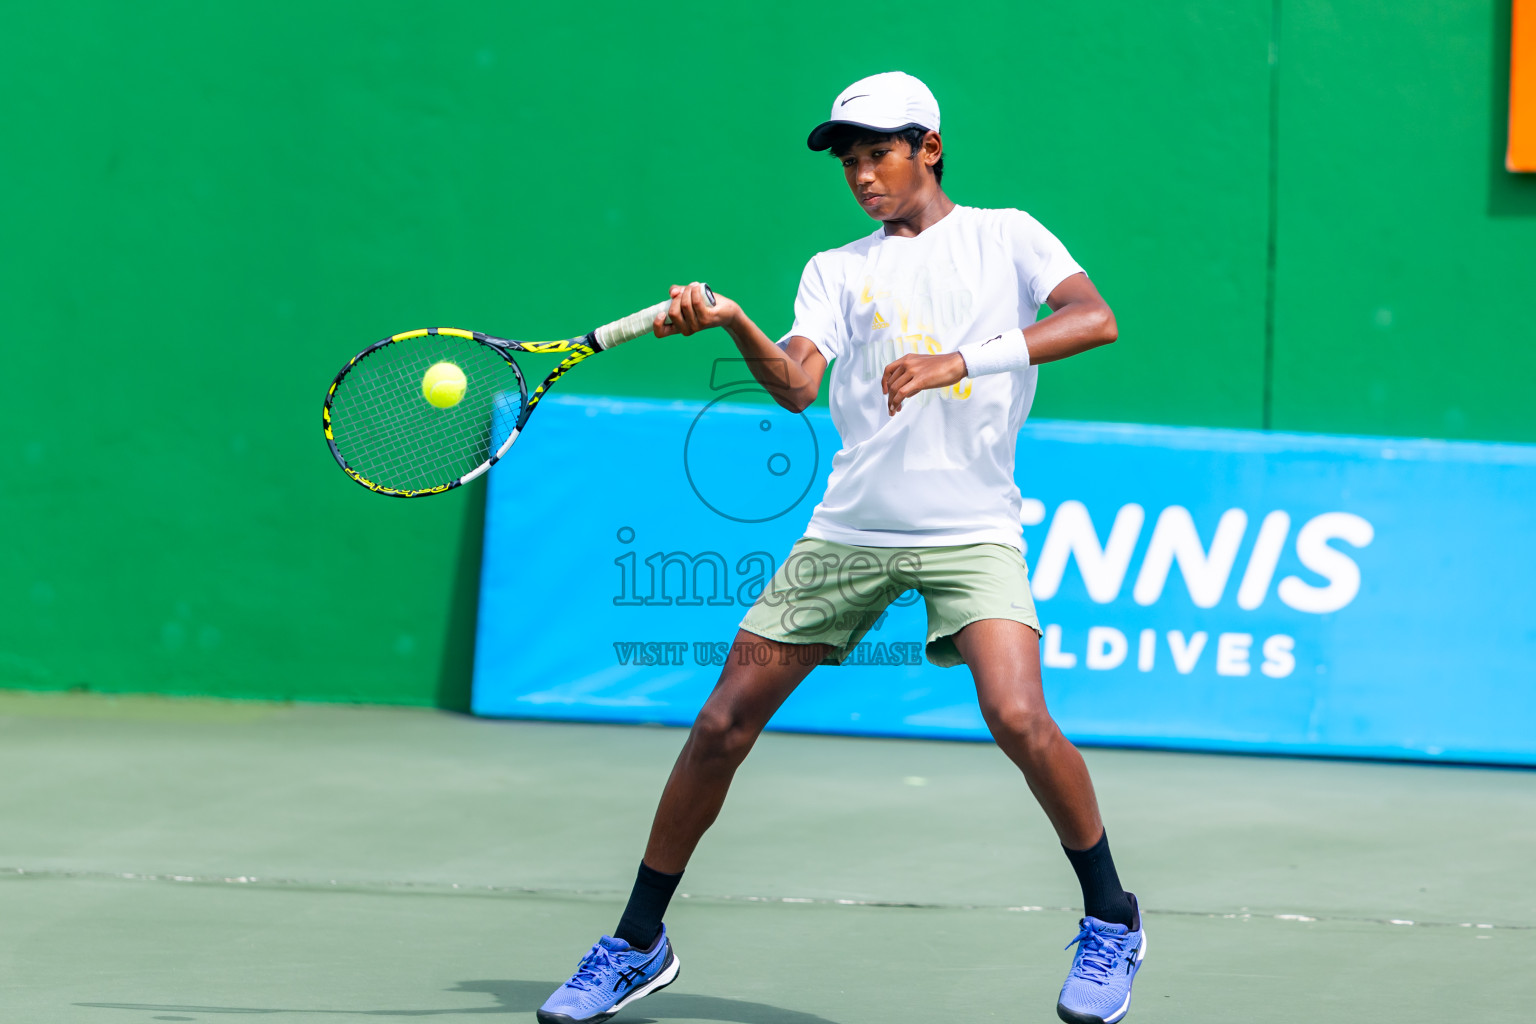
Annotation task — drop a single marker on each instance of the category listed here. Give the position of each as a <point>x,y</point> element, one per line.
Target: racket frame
<point>599,340</point>
<point>504,347</point>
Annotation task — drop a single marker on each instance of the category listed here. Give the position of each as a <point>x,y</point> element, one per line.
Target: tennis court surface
<point>177,860</point>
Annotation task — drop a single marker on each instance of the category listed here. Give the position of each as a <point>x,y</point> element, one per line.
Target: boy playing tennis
<point>931,321</point>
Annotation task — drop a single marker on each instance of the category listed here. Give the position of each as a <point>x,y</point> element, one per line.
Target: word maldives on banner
<point>1206,589</point>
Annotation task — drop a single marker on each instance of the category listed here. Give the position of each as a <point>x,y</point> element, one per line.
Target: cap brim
<point>821,136</point>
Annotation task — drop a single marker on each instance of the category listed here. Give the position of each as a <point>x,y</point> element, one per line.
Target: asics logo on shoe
<point>629,975</point>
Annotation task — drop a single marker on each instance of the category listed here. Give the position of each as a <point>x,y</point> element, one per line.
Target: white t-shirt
<point>939,472</point>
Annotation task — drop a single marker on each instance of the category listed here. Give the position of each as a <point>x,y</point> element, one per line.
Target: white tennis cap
<point>887,102</point>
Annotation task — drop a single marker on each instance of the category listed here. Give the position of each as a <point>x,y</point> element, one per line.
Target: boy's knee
<point>721,735</point>
<point>1024,724</point>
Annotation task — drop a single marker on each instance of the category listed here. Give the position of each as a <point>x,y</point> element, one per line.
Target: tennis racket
<point>391,422</point>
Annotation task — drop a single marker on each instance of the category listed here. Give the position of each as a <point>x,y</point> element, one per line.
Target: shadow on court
<point>526,997</point>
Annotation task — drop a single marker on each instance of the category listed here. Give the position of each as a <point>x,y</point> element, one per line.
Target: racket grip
<point>636,324</point>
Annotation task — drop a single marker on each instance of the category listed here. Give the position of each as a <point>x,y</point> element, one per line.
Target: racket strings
<point>387,431</point>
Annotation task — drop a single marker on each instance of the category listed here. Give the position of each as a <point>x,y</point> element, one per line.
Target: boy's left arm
<point>1080,319</point>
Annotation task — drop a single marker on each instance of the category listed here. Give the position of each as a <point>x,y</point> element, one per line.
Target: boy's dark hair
<point>845,136</point>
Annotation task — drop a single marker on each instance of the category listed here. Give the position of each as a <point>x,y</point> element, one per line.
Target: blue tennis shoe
<point>1098,990</point>
<point>612,975</point>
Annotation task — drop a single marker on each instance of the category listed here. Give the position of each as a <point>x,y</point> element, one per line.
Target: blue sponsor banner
<point>1205,589</point>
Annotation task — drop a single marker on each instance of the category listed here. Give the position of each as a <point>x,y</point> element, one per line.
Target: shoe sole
<point>1074,1017</point>
<point>667,976</point>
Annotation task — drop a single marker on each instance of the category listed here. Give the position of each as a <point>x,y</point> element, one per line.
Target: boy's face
<point>884,177</point>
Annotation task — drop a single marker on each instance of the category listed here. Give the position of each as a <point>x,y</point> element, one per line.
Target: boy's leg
<point>813,606</point>
<point>638,958</point>
<point>727,726</point>
<point>1004,658</point>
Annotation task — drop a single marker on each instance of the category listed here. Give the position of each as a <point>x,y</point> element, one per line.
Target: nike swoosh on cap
<point>850,99</point>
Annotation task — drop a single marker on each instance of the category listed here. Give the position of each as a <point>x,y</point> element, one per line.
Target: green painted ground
<point>189,860</point>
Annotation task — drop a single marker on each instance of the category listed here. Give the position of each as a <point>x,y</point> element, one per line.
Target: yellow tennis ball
<point>444,385</point>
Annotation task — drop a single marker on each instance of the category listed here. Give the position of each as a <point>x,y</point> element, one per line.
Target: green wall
<point>209,208</point>
<point>1407,254</point>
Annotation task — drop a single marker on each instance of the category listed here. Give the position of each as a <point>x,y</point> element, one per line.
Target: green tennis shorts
<point>831,593</point>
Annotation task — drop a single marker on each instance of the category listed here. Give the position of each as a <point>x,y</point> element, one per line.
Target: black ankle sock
<point>1102,896</point>
<point>641,923</point>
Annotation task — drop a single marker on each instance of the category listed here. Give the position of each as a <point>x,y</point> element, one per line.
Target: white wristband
<point>1005,352</point>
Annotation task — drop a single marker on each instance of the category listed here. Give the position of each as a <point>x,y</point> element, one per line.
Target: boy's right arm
<point>792,375</point>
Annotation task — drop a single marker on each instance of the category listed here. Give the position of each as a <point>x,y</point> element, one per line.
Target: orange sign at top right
<point>1522,88</point>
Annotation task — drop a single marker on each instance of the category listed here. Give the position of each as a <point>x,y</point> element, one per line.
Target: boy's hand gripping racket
<point>428,410</point>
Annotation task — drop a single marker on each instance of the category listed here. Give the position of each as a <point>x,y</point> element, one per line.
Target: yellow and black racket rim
<point>384,433</point>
